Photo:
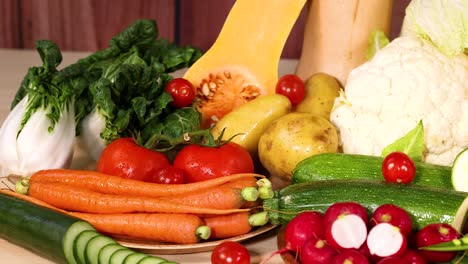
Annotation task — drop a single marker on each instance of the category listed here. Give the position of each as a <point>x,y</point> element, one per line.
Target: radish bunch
<point>346,233</point>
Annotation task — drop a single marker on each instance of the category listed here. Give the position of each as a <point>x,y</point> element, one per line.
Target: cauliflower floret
<point>406,81</point>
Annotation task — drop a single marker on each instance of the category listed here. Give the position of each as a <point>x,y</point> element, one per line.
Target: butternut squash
<point>242,64</point>
<point>336,35</point>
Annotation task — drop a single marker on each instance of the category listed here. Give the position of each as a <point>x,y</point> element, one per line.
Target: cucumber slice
<point>152,260</point>
<point>94,246</point>
<point>134,258</point>
<point>107,251</point>
<point>70,237</point>
<point>80,244</point>
<point>119,255</point>
<point>460,171</point>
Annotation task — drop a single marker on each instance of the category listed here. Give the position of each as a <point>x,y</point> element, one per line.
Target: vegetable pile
<point>231,147</point>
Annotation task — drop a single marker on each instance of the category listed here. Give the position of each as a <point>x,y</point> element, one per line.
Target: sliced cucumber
<point>460,172</point>
<point>106,253</point>
<point>80,244</point>
<point>70,237</point>
<point>152,260</point>
<point>40,229</point>
<point>94,246</point>
<point>119,255</point>
<point>134,258</point>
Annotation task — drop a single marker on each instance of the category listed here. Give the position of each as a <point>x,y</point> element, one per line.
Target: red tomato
<point>291,86</point>
<point>201,163</point>
<point>169,175</point>
<point>230,252</point>
<point>182,92</point>
<point>124,158</point>
<point>398,167</point>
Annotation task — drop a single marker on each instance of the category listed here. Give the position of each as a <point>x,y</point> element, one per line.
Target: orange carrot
<point>227,226</point>
<point>242,183</point>
<point>110,184</point>
<point>220,197</point>
<point>171,228</point>
<point>70,198</point>
<point>224,196</point>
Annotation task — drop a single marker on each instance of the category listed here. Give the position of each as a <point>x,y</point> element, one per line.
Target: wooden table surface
<point>13,66</point>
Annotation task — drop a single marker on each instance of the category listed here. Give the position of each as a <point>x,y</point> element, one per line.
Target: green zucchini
<point>425,205</point>
<point>339,166</point>
<point>46,232</point>
<point>460,171</point>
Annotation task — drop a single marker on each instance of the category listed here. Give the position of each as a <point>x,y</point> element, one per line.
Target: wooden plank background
<point>88,25</point>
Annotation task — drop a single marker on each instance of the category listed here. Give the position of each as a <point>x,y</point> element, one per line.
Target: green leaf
<point>377,41</point>
<point>412,143</point>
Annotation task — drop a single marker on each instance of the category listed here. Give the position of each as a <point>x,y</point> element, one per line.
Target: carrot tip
<point>203,232</point>
<point>250,194</point>
<point>259,219</point>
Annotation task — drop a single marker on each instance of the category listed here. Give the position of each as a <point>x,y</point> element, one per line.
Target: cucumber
<point>152,260</point>
<point>119,256</point>
<point>460,171</point>
<point>339,166</point>
<point>106,252</point>
<point>94,246</point>
<point>425,205</point>
<point>134,258</point>
<point>46,232</point>
<point>80,244</point>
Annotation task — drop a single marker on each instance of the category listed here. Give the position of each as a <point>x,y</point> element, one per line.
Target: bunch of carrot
<point>173,213</point>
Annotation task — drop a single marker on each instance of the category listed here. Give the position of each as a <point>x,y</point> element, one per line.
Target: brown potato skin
<point>292,138</point>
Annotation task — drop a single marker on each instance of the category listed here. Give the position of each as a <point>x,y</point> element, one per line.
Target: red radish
<point>350,256</point>
<point>413,257</point>
<point>385,240</point>
<point>393,260</point>
<point>346,232</point>
<point>303,227</point>
<point>395,215</point>
<point>316,251</point>
<point>343,208</point>
<point>433,234</point>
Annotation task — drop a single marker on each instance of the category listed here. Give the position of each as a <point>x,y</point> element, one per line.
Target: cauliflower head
<point>407,81</point>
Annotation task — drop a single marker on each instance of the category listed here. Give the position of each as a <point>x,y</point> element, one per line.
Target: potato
<point>321,91</point>
<point>292,138</point>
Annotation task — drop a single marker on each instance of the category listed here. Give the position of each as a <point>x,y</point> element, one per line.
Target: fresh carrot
<point>170,228</point>
<point>220,197</point>
<point>227,226</point>
<point>224,196</point>
<point>174,228</point>
<point>110,184</point>
<point>71,198</point>
<point>242,182</point>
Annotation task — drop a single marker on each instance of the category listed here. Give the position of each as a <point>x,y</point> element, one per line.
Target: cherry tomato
<point>398,167</point>
<point>230,252</point>
<point>169,175</point>
<point>291,86</point>
<point>201,163</point>
<point>182,92</point>
<point>125,158</point>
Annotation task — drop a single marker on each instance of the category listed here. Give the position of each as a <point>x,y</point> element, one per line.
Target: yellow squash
<point>243,62</point>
